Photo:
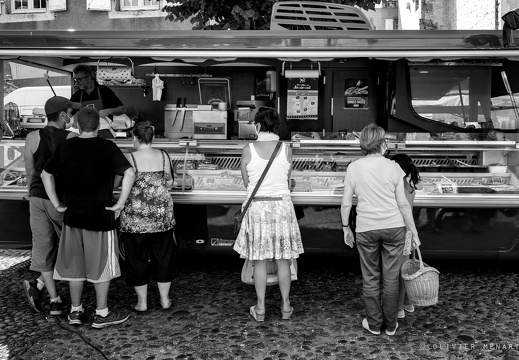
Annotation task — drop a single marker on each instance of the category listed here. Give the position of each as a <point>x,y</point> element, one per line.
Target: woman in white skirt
<point>269,228</point>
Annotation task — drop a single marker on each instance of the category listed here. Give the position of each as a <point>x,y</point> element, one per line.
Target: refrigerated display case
<point>467,203</point>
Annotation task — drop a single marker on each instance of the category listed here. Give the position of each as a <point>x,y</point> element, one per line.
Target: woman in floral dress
<point>147,219</point>
<point>269,230</point>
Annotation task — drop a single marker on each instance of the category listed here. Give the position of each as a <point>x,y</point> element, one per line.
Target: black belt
<point>265,198</point>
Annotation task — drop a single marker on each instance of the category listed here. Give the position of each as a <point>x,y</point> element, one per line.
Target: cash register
<point>244,115</point>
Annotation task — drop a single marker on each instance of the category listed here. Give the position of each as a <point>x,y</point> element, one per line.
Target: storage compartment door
<point>354,99</point>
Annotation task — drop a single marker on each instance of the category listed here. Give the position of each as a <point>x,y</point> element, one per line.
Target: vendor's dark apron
<point>104,129</point>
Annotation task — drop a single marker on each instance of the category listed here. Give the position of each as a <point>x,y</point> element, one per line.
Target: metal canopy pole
<point>2,81</point>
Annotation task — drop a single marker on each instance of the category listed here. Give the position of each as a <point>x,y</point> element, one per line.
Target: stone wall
<point>463,14</point>
<point>478,14</point>
<point>379,16</point>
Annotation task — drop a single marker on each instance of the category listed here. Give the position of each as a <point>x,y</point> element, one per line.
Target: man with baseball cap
<point>45,221</point>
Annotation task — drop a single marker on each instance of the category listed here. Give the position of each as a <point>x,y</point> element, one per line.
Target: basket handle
<point>419,256</point>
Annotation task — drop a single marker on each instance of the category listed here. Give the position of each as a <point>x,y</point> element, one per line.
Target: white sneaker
<point>365,325</point>
<point>409,308</point>
<point>401,314</point>
<point>391,333</point>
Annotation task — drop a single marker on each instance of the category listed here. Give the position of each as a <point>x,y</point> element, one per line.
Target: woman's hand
<point>169,180</point>
<point>61,208</point>
<point>117,208</point>
<point>349,239</point>
<point>416,241</point>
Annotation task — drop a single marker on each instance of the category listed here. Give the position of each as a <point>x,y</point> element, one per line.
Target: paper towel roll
<point>290,74</point>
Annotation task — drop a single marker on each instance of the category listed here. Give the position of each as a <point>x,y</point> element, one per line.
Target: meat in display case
<point>13,180</point>
<point>466,204</point>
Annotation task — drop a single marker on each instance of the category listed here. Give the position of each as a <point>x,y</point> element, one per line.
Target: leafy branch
<point>234,14</point>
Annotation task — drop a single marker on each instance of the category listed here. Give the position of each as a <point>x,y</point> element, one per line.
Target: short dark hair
<point>371,139</point>
<point>88,119</point>
<point>268,118</point>
<point>85,69</point>
<point>55,115</point>
<point>143,131</point>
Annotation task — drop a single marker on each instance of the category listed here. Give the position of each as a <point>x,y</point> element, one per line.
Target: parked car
<point>31,103</point>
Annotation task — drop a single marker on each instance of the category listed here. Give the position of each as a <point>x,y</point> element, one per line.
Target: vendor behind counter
<point>101,97</point>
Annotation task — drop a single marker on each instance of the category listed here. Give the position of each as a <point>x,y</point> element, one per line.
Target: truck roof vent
<point>312,15</point>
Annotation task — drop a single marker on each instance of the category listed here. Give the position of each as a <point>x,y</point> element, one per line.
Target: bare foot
<point>141,307</point>
<point>165,305</point>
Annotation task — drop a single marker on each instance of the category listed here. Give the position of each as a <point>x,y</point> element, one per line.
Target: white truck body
<point>31,103</point>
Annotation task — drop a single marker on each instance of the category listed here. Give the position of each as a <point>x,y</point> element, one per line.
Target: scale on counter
<point>244,115</point>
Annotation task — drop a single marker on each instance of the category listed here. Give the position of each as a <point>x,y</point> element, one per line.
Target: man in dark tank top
<point>45,221</point>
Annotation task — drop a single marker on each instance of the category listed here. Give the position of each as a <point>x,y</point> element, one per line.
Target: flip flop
<point>286,315</point>
<point>258,317</point>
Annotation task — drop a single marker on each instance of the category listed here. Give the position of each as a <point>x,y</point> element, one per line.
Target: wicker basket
<point>421,281</point>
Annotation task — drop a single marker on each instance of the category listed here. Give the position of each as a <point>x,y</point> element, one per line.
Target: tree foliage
<point>234,14</point>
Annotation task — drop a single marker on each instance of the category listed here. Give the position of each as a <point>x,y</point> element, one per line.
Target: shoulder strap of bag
<point>165,156</point>
<point>134,162</point>
<point>261,179</point>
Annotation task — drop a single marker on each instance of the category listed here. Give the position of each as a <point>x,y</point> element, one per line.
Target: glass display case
<point>466,205</point>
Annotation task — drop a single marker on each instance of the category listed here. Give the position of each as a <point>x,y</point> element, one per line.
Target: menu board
<point>356,93</point>
<point>302,98</point>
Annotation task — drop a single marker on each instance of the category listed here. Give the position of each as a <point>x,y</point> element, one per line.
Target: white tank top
<point>276,181</point>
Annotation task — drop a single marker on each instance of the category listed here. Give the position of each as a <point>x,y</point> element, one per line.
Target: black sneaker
<point>33,294</point>
<point>113,318</point>
<point>56,308</point>
<point>74,318</point>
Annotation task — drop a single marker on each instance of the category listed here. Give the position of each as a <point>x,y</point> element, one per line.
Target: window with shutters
<point>99,5</point>
<point>25,6</point>
<point>140,4</point>
<point>57,5</point>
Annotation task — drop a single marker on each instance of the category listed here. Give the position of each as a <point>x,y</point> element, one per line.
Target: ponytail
<point>144,132</point>
<point>407,165</point>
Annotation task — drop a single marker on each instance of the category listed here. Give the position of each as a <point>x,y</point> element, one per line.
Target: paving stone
<point>209,318</point>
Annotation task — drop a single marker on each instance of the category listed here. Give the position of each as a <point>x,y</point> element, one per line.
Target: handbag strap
<point>261,179</point>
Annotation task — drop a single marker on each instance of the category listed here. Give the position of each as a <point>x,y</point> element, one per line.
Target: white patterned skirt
<point>269,230</point>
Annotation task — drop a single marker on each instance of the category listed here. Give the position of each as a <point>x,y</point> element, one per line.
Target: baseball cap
<point>58,103</point>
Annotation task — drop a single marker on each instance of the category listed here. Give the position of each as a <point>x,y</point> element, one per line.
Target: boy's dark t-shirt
<point>87,167</point>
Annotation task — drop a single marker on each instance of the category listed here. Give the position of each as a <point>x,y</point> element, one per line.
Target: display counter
<point>454,173</point>
<point>466,205</point>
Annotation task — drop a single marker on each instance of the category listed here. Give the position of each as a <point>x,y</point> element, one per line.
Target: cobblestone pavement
<point>476,318</point>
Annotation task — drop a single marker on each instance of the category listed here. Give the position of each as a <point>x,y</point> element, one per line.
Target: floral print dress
<point>149,208</point>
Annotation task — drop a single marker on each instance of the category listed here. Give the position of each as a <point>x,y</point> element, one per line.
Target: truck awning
<point>284,45</point>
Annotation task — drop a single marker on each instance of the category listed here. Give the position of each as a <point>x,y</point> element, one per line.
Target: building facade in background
<point>86,14</point>
<point>148,15</point>
<point>465,14</point>
<point>440,14</point>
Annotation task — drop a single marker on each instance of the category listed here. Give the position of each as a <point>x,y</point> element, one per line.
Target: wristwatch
<point>345,225</point>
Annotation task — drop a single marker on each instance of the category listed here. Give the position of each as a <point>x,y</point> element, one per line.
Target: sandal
<point>286,315</point>
<point>257,316</point>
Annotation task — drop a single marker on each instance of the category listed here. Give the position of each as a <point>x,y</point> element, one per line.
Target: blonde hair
<point>371,139</point>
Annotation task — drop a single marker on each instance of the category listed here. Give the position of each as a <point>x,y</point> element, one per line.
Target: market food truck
<point>446,98</point>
